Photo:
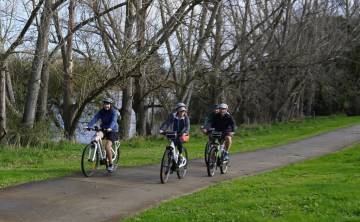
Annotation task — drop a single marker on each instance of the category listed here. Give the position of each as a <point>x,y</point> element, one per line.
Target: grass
<point>324,189</point>
<point>20,165</point>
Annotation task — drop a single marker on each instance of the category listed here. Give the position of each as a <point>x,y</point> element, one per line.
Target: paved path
<point>130,190</point>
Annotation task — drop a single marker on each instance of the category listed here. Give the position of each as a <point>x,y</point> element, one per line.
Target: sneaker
<point>110,168</point>
<point>182,161</point>
<point>226,156</point>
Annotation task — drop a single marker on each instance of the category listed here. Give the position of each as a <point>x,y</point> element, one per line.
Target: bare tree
<point>40,54</point>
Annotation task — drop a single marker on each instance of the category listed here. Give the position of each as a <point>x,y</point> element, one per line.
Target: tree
<point>39,57</point>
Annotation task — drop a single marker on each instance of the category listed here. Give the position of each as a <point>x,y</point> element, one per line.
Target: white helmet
<point>107,100</point>
<point>223,106</point>
<point>179,105</point>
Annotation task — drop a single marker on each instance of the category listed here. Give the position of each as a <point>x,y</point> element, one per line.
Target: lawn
<point>25,164</point>
<point>324,189</point>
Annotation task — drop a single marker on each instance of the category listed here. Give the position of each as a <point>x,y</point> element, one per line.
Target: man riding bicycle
<point>108,116</point>
<point>223,122</point>
<point>180,123</point>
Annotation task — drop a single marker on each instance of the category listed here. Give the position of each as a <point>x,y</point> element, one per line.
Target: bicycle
<point>207,148</point>
<point>216,154</point>
<point>94,154</point>
<point>169,162</point>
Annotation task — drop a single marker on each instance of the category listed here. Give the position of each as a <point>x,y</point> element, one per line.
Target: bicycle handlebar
<point>97,129</point>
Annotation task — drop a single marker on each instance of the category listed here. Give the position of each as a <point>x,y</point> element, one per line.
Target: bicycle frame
<point>173,151</point>
<point>218,141</point>
<point>98,148</point>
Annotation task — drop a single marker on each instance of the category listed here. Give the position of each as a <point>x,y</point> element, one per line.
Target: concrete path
<point>130,190</point>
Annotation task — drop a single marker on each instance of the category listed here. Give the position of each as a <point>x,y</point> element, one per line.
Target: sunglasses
<point>106,103</point>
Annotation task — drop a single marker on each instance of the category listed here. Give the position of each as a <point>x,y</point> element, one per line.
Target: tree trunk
<point>140,83</point>
<point>127,99</point>
<point>69,106</point>
<point>35,79</point>
<point>43,97</point>
<point>2,90</point>
<point>2,100</point>
<point>126,110</point>
<point>9,86</point>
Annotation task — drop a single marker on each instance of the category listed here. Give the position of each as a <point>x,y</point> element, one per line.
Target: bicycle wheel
<point>89,160</point>
<point>166,164</point>
<point>206,152</point>
<point>116,154</point>
<point>223,165</point>
<point>183,170</point>
<point>211,166</point>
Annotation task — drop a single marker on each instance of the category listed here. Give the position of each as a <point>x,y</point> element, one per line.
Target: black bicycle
<point>207,148</point>
<point>94,154</point>
<point>169,162</point>
<point>216,154</point>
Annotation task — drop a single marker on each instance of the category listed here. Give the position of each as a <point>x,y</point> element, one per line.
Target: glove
<point>161,131</point>
<point>109,129</point>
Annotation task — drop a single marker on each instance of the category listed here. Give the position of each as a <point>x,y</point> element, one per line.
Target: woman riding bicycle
<point>108,116</point>
<point>180,123</point>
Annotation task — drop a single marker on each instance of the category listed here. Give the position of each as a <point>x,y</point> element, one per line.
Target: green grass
<point>324,189</point>
<point>20,165</point>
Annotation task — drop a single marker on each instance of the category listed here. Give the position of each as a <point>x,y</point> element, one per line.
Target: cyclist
<point>225,123</point>
<point>180,123</point>
<point>108,116</point>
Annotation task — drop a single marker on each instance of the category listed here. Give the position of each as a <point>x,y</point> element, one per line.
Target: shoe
<point>110,168</point>
<point>226,156</point>
<point>182,161</point>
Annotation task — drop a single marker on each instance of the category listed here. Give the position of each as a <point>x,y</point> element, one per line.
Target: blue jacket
<point>180,125</point>
<point>108,119</point>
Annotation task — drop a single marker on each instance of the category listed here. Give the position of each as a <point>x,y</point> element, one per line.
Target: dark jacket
<point>181,126</point>
<point>221,123</point>
<point>108,119</point>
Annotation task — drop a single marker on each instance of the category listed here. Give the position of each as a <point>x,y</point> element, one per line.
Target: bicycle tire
<point>89,166</point>
<point>206,152</point>
<point>116,157</point>
<point>212,161</point>
<point>181,173</point>
<point>223,165</point>
<point>166,164</point>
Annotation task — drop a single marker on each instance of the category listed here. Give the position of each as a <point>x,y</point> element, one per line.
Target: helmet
<point>107,100</point>
<point>179,105</point>
<point>223,106</point>
<point>216,106</point>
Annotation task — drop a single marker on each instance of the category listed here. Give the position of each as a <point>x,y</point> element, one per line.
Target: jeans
<point>179,144</point>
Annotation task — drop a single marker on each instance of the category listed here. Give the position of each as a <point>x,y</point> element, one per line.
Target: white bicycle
<point>94,154</point>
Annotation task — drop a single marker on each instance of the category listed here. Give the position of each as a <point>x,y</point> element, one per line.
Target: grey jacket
<point>180,125</point>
